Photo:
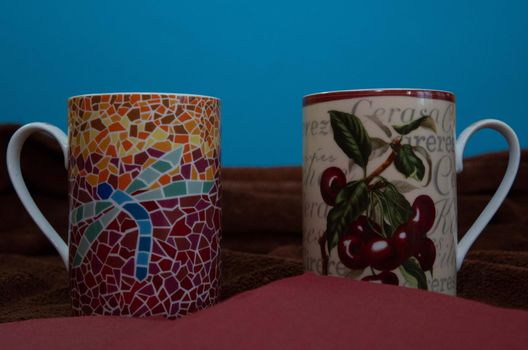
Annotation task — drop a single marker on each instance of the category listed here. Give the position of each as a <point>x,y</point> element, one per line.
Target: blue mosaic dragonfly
<point>112,202</point>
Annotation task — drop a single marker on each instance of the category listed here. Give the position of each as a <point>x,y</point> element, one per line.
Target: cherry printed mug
<point>379,186</point>
<point>144,214</point>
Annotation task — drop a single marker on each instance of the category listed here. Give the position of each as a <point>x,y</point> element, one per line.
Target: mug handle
<point>13,167</point>
<point>505,185</point>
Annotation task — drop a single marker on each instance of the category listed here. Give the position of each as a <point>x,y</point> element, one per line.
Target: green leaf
<point>351,136</point>
<point>389,207</point>
<point>379,147</point>
<point>408,163</point>
<point>403,186</point>
<point>427,156</point>
<point>399,207</point>
<point>351,201</point>
<point>413,274</point>
<point>424,122</point>
<point>375,211</point>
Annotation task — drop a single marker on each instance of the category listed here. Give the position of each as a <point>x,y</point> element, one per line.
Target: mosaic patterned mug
<point>144,228</point>
<point>379,186</point>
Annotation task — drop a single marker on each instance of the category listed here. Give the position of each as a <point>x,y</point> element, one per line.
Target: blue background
<point>260,58</point>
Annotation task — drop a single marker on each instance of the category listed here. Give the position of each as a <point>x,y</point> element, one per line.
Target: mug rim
<point>143,93</point>
<point>327,96</point>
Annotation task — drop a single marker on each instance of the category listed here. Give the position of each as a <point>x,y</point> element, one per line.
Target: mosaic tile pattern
<point>144,197</point>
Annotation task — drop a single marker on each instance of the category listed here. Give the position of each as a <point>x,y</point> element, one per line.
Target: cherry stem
<point>385,164</point>
<point>324,256</point>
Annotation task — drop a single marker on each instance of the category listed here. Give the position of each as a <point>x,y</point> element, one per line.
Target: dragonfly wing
<point>88,211</point>
<point>151,174</point>
<point>91,233</point>
<point>177,189</point>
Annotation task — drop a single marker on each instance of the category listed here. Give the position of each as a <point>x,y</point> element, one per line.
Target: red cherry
<point>364,228</point>
<point>381,254</point>
<point>332,181</point>
<point>385,277</point>
<point>426,254</point>
<point>423,215</point>
<point>389,278</point>
<point>351,252</point>
<point>403,242</point>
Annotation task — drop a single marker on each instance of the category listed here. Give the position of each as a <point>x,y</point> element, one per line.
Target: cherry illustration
<point>351,252</point>
<point>364,228</point>
<point>332,181</point>
<point>423,215</point>
<point>404,242</point>
<point>381,254</point>
<point>426,254</point>
<point>385,277</point>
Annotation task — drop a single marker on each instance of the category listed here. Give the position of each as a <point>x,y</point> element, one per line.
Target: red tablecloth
<point>305,312</point>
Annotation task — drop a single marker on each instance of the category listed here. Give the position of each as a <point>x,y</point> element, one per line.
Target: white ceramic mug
<point>379,186</point>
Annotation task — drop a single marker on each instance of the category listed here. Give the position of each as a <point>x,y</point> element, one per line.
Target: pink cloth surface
<point>304,312</point>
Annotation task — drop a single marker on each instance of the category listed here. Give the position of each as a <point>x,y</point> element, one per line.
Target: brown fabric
<point>261,232</point>
<point>37,286</point>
